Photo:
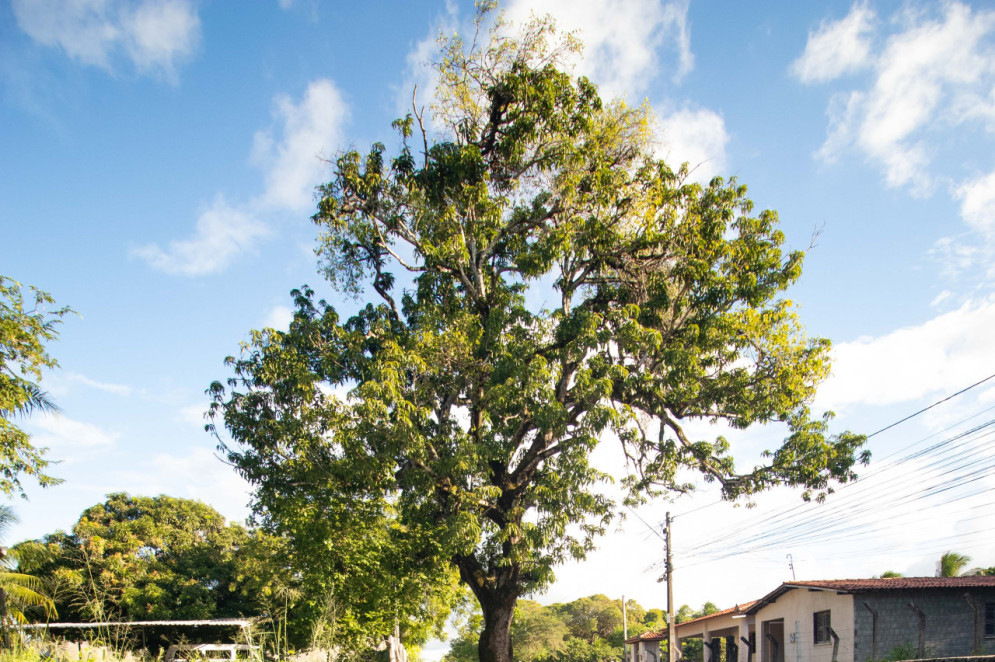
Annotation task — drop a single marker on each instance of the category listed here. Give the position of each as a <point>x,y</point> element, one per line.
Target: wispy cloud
<point>932,80</point>
<point>292,155</point>
<point>837,47</point>
<point>934,73</point>
<point>107,387</point>
<point>154,35</point>
<point>222,232</point>
<point>62,434</point>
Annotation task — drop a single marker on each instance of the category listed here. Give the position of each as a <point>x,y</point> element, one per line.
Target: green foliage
<point>951,564</point>
<point>26,326</point>
<point>144,558</point>
<point>655,619</point>
<point>585,630</point>
<point>890,574</point>
<point>906,651</point>
<point>463,447</point>
<point>21,594</point>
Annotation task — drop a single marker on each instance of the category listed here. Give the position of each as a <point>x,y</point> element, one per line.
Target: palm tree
<point>951,564</point>
<point>17,590</point>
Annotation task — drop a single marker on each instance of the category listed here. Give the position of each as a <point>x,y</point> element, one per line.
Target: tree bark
<point>495,637</point>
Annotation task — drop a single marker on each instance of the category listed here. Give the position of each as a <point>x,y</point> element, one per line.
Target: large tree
<point>541,283</point>
<point>27,324</point>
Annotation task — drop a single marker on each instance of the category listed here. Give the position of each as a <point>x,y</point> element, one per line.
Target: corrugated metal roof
<point>232,622</point>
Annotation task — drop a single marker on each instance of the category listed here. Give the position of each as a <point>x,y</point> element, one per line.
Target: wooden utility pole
<point>625,631</point>
<point>671,646</point>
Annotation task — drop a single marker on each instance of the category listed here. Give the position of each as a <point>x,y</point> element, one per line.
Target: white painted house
<point>846,620</point>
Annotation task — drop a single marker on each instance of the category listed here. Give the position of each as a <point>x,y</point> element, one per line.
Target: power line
<point>851,489</point>
<point>938,402</point>
<point>828,519</point>
<point>877,432</point>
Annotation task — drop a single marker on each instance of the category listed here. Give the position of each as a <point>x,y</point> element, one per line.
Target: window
<point>990,619</point>
<point>820,626</point>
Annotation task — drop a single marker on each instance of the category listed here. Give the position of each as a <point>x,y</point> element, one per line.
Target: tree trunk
<point>495,637</point>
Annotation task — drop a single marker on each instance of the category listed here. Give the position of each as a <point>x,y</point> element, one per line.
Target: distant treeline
<point>586,630</point>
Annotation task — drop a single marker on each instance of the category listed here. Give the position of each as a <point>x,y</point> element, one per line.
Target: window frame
<point>822,629</point>
<point>990,620</point>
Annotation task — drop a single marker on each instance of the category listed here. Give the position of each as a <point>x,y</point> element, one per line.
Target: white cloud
<point>977,203</point>
<point>293,161</point>
<point>837,47</point>
<point>222,233</point>
<point>696,136</point>
<point>934,73</point>
<point>193,414</point>
<point>940,356</point>
<point>198,474</point>
<point>62,434</point>
<point>279,317</point>
<point>155,35</point>
<point>621,39</point>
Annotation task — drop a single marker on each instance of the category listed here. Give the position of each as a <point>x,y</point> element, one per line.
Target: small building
<point>845,620</point>
<point>645,647</point>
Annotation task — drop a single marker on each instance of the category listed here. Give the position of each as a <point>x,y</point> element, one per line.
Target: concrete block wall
<point>950,622</point>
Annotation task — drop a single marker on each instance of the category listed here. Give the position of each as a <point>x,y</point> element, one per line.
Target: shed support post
<point>836,644</point>
<point>922,629</point>
<point>874,630</point>
<point>976,608</point>
<point>773,648</point>
<point>751,648</point>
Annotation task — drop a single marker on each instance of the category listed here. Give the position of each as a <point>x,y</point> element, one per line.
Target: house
<point>845,620</point>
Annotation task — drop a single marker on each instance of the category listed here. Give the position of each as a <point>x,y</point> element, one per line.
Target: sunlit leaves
<point>26,326</point>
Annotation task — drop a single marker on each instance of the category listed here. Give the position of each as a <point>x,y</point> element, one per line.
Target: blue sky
<point>159,158</point>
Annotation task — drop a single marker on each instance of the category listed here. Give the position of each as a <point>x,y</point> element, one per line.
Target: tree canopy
<point>148,558</point>
<point>27,324</point>
<point>446,428</point>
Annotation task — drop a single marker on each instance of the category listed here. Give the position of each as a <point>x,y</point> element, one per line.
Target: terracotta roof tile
<point>880,584</point>
<point>898,583</point>
<point>738,609</point>
<point>649,635</point>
